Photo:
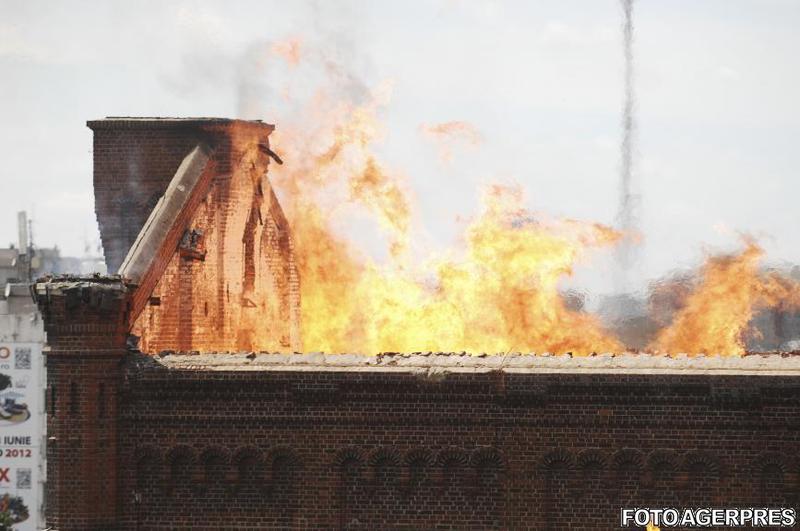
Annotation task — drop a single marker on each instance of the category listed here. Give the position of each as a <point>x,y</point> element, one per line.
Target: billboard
<point>22,421</point>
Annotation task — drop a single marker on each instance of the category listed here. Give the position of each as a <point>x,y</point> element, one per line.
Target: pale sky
<point>717,84</point>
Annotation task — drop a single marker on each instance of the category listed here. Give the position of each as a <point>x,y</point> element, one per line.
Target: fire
<point>448,135</point>
<point>716,314</point>
<point>501,295</point>
<point>496,293</point>
<point>289,50</point>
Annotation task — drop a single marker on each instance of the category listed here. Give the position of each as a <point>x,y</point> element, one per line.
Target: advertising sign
<point>21,433</point>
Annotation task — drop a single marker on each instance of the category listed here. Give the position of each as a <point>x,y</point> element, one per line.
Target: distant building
<point>23,262</point>
<point>22,374</point>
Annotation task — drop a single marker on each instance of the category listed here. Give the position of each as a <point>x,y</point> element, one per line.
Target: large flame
<point>715,316</point>
<point>501,296</point>
<point>498,294</point>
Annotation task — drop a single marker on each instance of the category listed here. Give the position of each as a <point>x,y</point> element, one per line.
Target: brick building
<point>187,213</point>
<point>403,441</point>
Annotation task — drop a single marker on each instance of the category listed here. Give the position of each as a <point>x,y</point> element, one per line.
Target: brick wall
<point>86,327</point>
<point>228,441</point>
<point>388,449</point>
<point>232,284</point>
<point>133,164</point>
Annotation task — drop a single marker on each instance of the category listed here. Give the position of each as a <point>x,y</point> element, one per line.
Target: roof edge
<point>432,363</point>
<point>159,122</point>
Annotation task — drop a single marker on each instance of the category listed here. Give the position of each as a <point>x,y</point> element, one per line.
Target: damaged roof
<point>169,121</point>
<point>440,362</point>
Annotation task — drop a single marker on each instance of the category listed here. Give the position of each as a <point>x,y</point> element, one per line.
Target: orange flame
<point>289,50</point>
<point>501,296</point>
<point>449,134</point>
<point>498,293</point>
<point>716,314</point>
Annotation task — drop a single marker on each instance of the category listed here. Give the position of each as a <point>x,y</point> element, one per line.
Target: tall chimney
<point>22,227</point>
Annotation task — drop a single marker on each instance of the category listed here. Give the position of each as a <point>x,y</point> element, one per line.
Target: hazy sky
<point>717,84</point>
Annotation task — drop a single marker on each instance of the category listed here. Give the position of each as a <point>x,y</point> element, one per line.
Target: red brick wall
<point>133,164</point>
<point>86,326</point>
<point>241,292</point>
<point>380,450</point>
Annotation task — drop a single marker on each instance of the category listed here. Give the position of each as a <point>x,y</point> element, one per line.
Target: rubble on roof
<point>629,362</point>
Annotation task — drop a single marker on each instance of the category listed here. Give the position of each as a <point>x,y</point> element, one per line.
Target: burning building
<point>166,409</point>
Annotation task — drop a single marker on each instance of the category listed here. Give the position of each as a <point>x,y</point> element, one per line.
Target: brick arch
<point>149,462</point>
<point>348,454</point>
<point>148,453</point>
<point>349,461</point>
<point>662,459</point>
<point>700,479</point>
<point>628,458</point>
<point>767,460</point>
<point>214,462</point>
<point>419,455</point>
<point>661,478</point>
<point>451,466</point>
<point>247,455</point>
<point>182,454</point>
<point>771,470</point>
<point>283,455</point>
<point>488,466</point>
<point>418,462</point>
<point>248,464</point>
<point>181,460</point>
<point>591,459</point>
<point>556,484</point>
<point>625,478</point>
<point>214,453</point>
<point>487,456</point>
<point>350,489</point>
<point>383,454</point>
<point>283,467</point>
<point>452,455</point>
<point>696,462</point>
<point>384,464</point>
<point>558,459</point>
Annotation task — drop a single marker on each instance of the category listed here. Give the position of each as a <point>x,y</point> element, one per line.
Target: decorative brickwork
<point>86,324</point>
<point>225,441</point>
<point>387,447</point>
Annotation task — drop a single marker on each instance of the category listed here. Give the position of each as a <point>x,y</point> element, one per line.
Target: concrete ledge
<point>159,122</point>
<point>787,364</point>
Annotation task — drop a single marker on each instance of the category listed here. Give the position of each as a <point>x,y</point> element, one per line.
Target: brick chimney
<point>86,324</point>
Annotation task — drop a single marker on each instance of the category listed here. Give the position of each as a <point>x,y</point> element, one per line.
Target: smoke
<point>627,220</point>
<point>449,135</point>
<point>277,77</point>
